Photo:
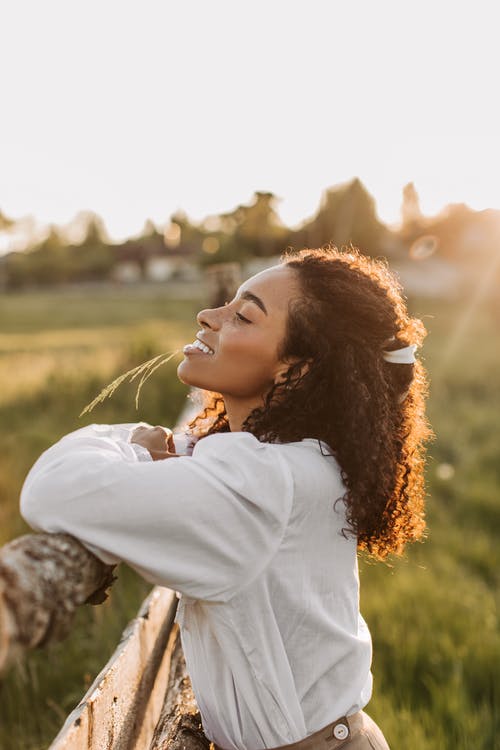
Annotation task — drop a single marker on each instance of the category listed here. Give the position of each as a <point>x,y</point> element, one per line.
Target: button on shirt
<point>250,534</point>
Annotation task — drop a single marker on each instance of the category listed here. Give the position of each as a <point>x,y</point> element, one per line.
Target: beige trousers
<point>356,732</point>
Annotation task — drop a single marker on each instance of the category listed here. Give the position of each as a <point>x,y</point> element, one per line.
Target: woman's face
<point>243,339</point>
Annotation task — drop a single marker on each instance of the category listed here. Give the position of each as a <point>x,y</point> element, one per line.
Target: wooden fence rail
<point>43,579</point>
<point>142,699</point>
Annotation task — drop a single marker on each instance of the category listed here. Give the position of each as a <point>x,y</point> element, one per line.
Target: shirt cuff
<point>141,452</point>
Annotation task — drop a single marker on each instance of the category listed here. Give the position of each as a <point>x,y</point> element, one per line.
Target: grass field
<point>434,615</point>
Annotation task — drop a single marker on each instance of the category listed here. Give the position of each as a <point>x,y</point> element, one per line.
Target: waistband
<point>330,737</point>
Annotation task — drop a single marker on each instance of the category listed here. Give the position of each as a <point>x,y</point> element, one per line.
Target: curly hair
<point>340,390</point>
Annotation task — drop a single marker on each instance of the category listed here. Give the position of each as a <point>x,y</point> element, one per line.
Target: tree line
<point>346,215</point>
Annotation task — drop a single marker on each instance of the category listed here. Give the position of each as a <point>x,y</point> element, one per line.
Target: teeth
<point>202,347</point>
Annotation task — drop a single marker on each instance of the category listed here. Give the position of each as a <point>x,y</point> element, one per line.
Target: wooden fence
<point>142,699</point>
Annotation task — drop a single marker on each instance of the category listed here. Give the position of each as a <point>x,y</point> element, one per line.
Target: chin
<point>188,377</point>
<point>183,373</point>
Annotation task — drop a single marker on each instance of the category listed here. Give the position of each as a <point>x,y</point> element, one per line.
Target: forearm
<point>199,524</point>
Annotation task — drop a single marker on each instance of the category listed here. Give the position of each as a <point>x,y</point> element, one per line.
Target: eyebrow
<point>253,298</point>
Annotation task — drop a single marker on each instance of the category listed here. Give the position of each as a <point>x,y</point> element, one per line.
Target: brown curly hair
<point>371,413</point>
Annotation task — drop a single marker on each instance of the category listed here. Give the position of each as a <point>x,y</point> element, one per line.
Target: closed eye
<point>242,318</point>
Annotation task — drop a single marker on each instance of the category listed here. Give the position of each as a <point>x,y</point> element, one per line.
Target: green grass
<point>57,350</point>
<point>92,306</point>
<point>434,615</point>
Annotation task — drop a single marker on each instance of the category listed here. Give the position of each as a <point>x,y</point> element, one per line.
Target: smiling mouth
<point>197,346</point>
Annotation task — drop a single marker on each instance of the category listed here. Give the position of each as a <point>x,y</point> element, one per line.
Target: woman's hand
<point>158,440</point>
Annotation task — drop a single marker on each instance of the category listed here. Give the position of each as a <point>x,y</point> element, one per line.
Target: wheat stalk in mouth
<point>145,370</point>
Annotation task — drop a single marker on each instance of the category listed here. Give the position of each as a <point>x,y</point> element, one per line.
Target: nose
<point>208,319</point>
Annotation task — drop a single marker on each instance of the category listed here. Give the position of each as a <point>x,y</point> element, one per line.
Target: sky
<point>135,110</point>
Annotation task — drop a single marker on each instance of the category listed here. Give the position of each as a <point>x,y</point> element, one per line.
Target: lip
<point>192,351</point>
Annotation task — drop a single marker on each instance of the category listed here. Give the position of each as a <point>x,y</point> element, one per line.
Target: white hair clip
<point>405,356</point>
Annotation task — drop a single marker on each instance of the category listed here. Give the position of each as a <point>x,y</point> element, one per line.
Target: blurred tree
<point>150,230</point>
<point>6,223</point>
<point>49,262</point>
<point>95,233</point>
<point>410,207</point>
<point>256,228</point>
<point>93,258</point>
<point>85,224</point>
<point>248,230</point>
<point>413,222</point>
<point>190,234</point>
<point>16,270</point>
<point>347,215</point>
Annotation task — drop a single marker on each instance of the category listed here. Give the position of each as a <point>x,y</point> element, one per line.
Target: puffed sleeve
<point>205,524</point>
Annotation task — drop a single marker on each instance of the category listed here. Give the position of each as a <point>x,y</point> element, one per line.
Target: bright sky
<point>137,109</point>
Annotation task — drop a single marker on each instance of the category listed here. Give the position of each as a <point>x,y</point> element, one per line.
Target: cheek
<point>235,348</point>
<point>241,368</point>
<point>248,365</point>
<point>250,354</point>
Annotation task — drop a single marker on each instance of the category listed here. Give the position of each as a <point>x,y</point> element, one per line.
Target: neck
<point>237,411</point>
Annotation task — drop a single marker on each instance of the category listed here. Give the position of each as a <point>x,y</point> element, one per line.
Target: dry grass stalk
<point>145,369</point>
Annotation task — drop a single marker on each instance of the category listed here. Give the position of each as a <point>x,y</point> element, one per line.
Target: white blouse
<point>250,534</point>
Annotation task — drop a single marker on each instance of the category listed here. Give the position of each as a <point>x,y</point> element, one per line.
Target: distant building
<point>151,259</point>
<point>126,272</point>
<point>159,268</point>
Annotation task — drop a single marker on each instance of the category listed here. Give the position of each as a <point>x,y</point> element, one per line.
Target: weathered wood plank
<point>179,725</point>
<point>121,708</point>
<point>43,579</point>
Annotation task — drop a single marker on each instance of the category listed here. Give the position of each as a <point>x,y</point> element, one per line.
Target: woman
<point>310,446</point>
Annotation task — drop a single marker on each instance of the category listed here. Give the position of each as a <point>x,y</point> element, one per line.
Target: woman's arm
<point>204,525</point>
